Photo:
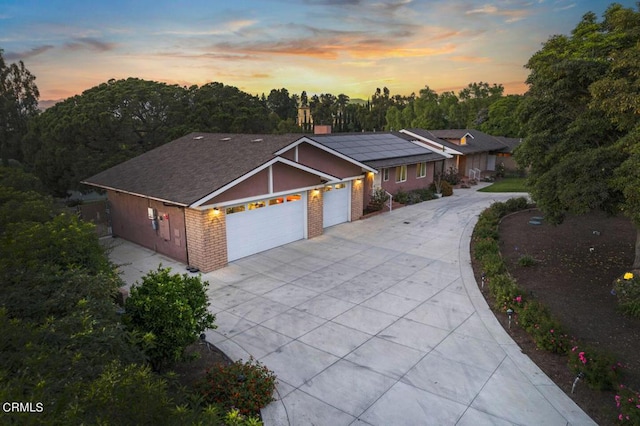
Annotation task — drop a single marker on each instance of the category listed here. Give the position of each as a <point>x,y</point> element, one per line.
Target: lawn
<point>507,185</point>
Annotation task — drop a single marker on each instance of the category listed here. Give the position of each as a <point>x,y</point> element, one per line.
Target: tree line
<point>120,119</point>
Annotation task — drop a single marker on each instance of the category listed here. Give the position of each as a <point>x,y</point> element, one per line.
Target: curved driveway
<point>380,322</point>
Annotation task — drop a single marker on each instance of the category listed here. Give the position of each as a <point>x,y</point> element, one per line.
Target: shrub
<point>378,199</point>
<point>401,196</point>
<point>234,418</point>
<point>451,176</point>
<point>487,226</point>
<point>500,209</point>
<point>492,264</point>
<point>245,386</point>
<point>628,404</point>
<point>531,313</point>
<point>516,204</point>
<point>447,189</point>
<point>505,290</point>
<point>425,194</point>
<point>170,311</point>
<point>627,289</point>
<point>548,335</point>
<point>484,246</point>
<point>64,242</point>
<point>527,260</point>
<point>133,395</point>
<point>601,371</point>
<point>414,197</point>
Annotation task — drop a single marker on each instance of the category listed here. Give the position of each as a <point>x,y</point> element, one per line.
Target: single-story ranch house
<point>472,150</point>
<point>208,199</point>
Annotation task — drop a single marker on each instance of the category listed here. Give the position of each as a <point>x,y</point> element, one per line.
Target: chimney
<point>322,129</point>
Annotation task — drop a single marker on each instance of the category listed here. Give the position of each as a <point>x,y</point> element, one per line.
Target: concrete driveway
<point>377,322</point>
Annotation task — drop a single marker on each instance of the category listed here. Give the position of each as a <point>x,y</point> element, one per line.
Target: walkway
<point>378,322</point>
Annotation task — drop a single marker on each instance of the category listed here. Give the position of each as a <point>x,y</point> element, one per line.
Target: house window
<point>235,209</point>
<point>385,175</point>
<point>401,174</point>
<point>421,170</point>
<point>339,186</point>
<point>276,201</point>
<point>257,205</point>
<point>294,197</point>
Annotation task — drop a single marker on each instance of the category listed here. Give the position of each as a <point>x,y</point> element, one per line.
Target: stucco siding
<point>255,185</point>
<point>287,178</point>
<point>314,157</point>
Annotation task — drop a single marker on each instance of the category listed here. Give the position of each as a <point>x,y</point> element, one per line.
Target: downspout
<point>184,220</point>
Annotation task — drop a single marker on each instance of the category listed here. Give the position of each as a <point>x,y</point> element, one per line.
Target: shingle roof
<point>370,148</point>
<point>481,142</point>
<point>510,143</point>
<point>189,168</point>
<point>393,162</point>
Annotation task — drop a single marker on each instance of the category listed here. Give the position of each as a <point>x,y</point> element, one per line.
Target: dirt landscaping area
<point>576,264</point>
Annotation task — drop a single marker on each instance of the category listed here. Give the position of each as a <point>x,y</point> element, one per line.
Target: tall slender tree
<point>18,103</point>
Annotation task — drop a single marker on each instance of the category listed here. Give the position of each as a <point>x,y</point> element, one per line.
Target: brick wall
<point>357,199</point>
<point>129,219</point>
<point>314,213</point>
<point>206,239</point>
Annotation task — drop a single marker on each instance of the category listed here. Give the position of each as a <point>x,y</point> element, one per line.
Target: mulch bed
<point>577,264</point>
<point>201,358</point>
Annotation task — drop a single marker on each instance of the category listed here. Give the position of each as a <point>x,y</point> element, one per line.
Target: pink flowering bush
<point>505,290</point>
<point>549,336</point>
<point>628,405</point>
<point>601,371</point>
<point>543,328</point>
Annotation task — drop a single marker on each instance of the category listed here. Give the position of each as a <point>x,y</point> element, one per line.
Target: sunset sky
<point>334,46</point>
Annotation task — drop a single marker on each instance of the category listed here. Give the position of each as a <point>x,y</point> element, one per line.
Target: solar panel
<point>371,146</point>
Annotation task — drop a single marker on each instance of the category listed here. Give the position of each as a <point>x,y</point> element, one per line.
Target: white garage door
<point>261,225</point>
<point>335,204</point>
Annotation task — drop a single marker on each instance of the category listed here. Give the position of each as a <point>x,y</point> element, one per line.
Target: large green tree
<point>581,119</point>
<point>120,119</point>
<point>284,105</point>
<point>104,126</point>
<point>503,119</point>
<point>220,108</point>
<point>430,110</point>
<point>18,103</point>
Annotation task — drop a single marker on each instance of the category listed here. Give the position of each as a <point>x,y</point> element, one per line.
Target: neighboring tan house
<point>208,199</point>
<point>505,157</point>
<point>474,152</point>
